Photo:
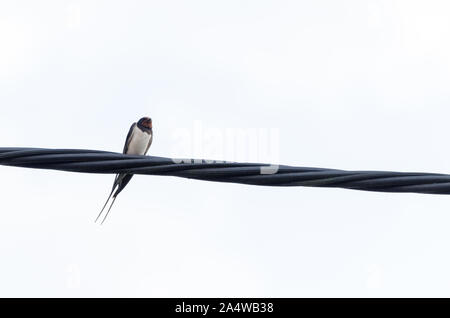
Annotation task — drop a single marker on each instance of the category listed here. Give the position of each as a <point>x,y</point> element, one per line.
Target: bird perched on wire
<point>139,140</point>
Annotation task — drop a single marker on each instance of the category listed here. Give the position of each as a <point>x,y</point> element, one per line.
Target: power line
<point>94,161</point>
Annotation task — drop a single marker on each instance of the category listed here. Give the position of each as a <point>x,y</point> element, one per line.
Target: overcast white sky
<point>340,84</point>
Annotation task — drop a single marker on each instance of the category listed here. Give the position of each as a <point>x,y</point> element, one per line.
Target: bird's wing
<point>129,137</point>
<point>149,144</point>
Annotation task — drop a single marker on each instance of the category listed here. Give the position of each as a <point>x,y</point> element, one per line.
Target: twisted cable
<point>93,161</point>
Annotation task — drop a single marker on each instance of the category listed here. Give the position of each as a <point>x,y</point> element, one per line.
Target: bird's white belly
<point>139,143</point>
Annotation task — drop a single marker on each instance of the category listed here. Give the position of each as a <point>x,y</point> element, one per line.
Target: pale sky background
<point>342,84</point>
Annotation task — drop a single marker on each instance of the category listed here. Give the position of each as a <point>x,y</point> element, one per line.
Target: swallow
<point>138,141</point>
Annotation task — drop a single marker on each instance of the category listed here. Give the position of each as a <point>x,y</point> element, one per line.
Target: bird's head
<point>145,123</point>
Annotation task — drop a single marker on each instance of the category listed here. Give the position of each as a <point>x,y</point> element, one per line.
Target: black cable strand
<point>94,161</point>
